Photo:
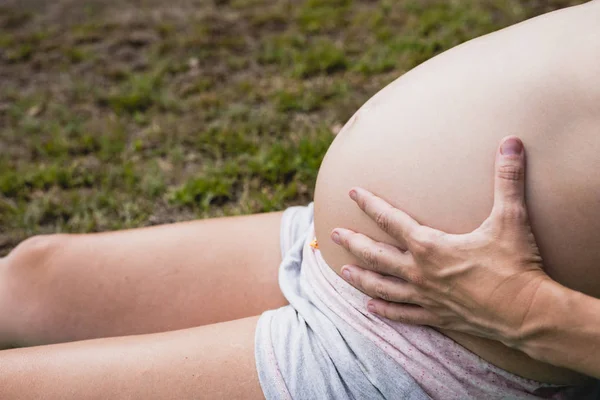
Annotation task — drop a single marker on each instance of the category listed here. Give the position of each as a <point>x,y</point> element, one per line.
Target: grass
<point>146,113</point>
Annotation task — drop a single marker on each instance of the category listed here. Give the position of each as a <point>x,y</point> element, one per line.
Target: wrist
<point>548,314</point>
<point>554,331</point>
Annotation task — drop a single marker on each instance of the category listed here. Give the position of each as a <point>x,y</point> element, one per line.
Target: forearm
<point>563,329</point>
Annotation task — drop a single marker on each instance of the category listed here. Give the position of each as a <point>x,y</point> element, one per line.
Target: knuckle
<point>359,280</point>
<point>396,270</point>
<point>424,301</point>
<point>511,172</point>
<point>382,292</point>
<point>389,313</point>
<point>415,278</point>
<point>369,258</point>
<point>383,220</point>
<point>440,322</point>
<point>422,241</point>
<point>398,316</point>
<point>349,241</point>
<point>513,212</point>
<point>362,203</point>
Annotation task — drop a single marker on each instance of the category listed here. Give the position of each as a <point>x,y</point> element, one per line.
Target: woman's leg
<point>70,287</point>
<point>209,362</point>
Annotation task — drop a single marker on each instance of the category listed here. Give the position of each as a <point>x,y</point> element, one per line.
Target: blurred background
<point>118,114</point>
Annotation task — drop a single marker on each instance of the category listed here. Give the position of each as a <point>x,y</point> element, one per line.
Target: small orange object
<point>314,244</point>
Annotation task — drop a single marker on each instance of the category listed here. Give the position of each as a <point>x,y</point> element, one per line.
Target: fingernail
<point>512,146</point>
<point>352,194</point>
<point>371,308</point>
<point>346,274</point>
<point>336,237</point>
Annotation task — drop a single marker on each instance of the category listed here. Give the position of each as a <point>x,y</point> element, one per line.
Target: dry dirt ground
<point>117,114</point>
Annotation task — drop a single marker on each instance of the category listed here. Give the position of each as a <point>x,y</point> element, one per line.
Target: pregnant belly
<point>426,144</point>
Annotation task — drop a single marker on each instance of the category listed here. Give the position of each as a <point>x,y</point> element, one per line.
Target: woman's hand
<point>485,283</point>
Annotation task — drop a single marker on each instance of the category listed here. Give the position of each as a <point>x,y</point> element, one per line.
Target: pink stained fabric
<point>442,367</point>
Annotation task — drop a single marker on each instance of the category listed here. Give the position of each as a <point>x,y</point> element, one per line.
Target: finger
<point>509,181</point>
<point>375,256</point>
<point>391,220</point>
<point>387,288</point>
<point>405,313</point>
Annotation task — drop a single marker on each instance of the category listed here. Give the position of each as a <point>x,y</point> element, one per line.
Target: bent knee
<point>26,274</point>
<point>35,252</point>
<point>24,286</point>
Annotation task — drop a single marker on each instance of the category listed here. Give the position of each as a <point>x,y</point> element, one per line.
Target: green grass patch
<point>318,16</point>
<point>303,57</point>
<point>137,94</point>
<point>120,116</point>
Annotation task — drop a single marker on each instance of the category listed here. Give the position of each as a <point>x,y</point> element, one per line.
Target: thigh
<point>151,279</point>
<point>209,362</point>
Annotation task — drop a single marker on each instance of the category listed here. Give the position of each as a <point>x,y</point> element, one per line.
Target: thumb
<point>509,180</point>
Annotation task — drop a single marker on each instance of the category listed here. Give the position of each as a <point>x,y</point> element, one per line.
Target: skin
<point>426,143</point>
<point>77,287</point>
<point>213,362</point>
<point>173,278</point>
<point>512,298</point>
<point>489,282</point>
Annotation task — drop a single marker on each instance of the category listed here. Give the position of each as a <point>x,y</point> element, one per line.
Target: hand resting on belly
<point>426,142</point>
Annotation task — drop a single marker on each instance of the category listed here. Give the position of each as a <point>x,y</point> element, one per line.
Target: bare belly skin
<point>426,143</point>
